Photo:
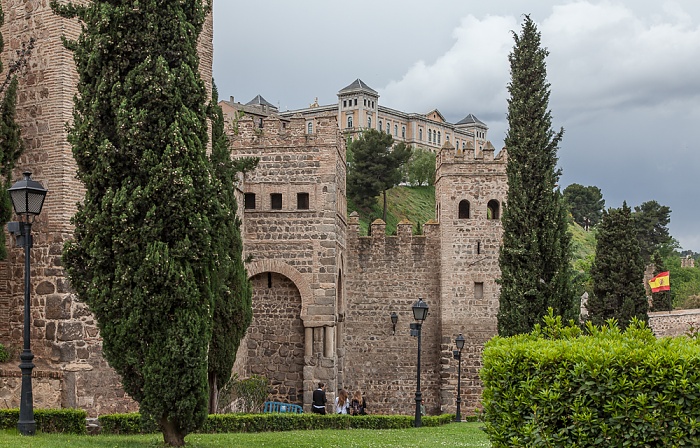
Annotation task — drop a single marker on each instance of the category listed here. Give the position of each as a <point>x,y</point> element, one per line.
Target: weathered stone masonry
<point>323,295</point>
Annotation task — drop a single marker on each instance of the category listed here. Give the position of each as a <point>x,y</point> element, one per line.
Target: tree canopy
<point>143,256</point>
<point>586,204</point>
<point>617,272</point>
<point>650,222</point>
<point>420,168</point>
<point>375,167</point>
<point>534,258</point>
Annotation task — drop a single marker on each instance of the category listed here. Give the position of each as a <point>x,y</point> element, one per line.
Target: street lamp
<point>27,198</point>
<point>459,342</point>
<point>420,312</point>
<point>394,320</point>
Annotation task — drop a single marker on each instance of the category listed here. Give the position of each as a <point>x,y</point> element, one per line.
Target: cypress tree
<point>142,256</point>
<point>233,292</point>
<point>534,258</point>
<point>617,272</point>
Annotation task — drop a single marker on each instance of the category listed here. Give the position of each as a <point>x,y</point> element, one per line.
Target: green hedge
<point>229,423</point>
<point>69,421</point>
<point>561,386</point>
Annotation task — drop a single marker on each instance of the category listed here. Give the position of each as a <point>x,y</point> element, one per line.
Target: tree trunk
<point>213,394</point>
<point>172,434</point>
<point>384,215</point>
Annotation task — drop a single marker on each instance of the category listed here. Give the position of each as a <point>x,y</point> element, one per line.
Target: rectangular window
<point>303,201</point>
<point>249,201</point>
<point>276,201</point>
<point>478,290</point>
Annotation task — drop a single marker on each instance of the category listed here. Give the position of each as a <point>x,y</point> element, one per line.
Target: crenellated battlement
<point>448,154</point>
<point>296,132</point>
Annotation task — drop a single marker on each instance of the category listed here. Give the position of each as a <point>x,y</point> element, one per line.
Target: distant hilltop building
<point>358,109</point>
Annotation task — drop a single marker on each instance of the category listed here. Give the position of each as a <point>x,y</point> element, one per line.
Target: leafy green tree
<point>586,204</point>
<point>650,221</point>
<point>376,167</point>
<point>11,146</point>
<point>232,312</point>
<point>421,167</point>
<point>143,256</point>
<point>617,272</point>
<point>534,258</point>
<point>660,301</point>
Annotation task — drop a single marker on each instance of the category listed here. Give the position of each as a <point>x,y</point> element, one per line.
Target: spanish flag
<point>660,283</point>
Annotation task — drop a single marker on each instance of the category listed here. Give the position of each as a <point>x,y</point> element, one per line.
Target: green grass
<point>465,435</point>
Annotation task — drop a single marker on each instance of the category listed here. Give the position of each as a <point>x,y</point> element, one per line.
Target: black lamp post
<point>27,198</point>
<point>420,312</point>
<point>394,320</point>
<point>458,356</point>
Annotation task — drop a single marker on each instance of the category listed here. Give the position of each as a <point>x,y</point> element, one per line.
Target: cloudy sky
<point>624,75</point>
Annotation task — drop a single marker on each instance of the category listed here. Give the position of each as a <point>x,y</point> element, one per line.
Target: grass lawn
<point>453,435</point>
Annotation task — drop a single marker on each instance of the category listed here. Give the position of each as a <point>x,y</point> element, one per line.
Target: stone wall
<point>674,323</point>
<point>388,274</point>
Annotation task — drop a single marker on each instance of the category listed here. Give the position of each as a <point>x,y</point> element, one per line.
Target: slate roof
<point>358,85</point>
<point>471,119</point>
<point>260,101</point>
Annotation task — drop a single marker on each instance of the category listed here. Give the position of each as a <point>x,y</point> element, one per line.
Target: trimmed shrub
<point>68,421</point>
<point>559,386</point>
<point>231,423</point>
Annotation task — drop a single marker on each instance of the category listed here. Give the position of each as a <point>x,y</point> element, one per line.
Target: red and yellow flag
<point>661,282</point>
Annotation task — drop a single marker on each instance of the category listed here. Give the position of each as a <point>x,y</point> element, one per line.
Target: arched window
<point>430,136</point>
<point>403,131</point>
<point>349,121</point>
<point>463,209</point>
<point>309,128</point>
<point>396,130</point>
<point>493,209</point>
<point>379,128</point>
<point>438,140</point>
<point>388,128</point>
<point>369,122</point>
<point>420,134</point>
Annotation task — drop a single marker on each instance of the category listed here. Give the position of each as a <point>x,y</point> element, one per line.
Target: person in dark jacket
<point>319,400</point>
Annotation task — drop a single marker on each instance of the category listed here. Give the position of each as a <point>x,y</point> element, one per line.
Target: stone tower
<point>70,370</point>
<point>294,227</point>
<point>470,189</point>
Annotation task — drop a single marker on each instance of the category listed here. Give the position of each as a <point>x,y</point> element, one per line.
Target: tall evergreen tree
<point>376,167</point>
<point>534,258</point>
<point>617,272</point>
<point>142,257</point>
<point>232,290</point>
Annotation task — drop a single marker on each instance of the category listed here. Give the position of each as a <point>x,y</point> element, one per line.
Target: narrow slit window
<point>463,209</point>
